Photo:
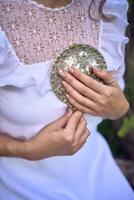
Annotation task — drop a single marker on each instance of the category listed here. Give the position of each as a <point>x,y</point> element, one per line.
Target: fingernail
<point>62,73</point>
<point>71,69</point>
<point>68,96</point>
<point>64,83</point>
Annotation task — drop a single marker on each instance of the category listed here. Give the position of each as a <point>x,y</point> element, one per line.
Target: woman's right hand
<point>64,136</point>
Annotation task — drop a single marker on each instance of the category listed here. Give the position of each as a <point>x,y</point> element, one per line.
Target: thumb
<point>105,76</point>
<point>61,122</point>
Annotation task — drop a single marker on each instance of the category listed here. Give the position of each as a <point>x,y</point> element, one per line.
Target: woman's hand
<point>64,136</point>
<point>93,97</point>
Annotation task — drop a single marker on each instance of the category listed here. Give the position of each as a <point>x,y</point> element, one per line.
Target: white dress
<point>27,102</point>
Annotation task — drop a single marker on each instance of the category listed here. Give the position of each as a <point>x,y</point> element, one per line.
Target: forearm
<point>10,147</point>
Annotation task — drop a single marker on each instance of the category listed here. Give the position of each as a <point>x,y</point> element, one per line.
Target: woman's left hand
<point>93,97</point>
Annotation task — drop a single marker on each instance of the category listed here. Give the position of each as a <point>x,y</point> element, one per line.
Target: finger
<point>85,136</point>
<point>75,150</point>
<point>61,122</point>
<point>73,122</point>
<point>104,76</point>
<point>80,129</point>
<point>80,87</point>
<point>79,106</point>
<point>87,80</point>
<point>82,141</point>
<point>78,97</point>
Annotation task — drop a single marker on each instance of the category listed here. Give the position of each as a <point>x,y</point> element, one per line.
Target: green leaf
<point>127,126</point>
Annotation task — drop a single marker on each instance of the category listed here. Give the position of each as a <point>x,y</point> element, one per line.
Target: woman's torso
<point>36,36</point>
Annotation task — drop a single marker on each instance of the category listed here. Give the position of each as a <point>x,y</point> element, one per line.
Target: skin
<point>64,136</point>
<point>61,141</point>
<point>53,3</point>
<point>93,97</point>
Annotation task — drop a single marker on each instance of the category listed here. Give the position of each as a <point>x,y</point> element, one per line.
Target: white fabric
<point>27,104</point>
<point>112,38</point>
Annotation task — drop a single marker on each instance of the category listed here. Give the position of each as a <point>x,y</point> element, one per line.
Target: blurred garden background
<point>120,133</point>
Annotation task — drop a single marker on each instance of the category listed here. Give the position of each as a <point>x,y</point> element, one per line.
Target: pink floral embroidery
<point>13,25</point>
<point>69,27</point>
<point>8,8</point>
<point>34,31</point>
<point>38,34</point>
<point>30,12</point>
<point>23,58</point>
<point>17,42</point>
<point>38,47</point>
<point>50,19</point>
<point>54,37</point>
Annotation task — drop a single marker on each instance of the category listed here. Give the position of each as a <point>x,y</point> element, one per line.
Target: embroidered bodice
<point>38,34</point>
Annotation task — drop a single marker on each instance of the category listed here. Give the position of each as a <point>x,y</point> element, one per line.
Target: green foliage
<point>127,126</point>
<point>130,1</point>
<point>109,132</point>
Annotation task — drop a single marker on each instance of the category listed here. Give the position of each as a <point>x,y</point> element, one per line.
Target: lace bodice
<point>38,34</point>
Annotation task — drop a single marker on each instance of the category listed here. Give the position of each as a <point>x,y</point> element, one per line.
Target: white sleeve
<point>112,39</point>
<point>8,61</point>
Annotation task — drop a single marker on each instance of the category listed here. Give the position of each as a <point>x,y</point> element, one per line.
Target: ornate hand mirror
<point>80,56</point>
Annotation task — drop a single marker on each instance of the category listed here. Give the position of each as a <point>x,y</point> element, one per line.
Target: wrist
<point>124,109</point>
<point>29,153</point>
<point>35,151</point>
<point>17,149</point>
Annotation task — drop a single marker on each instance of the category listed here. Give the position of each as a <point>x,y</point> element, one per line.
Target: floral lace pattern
<point>38,35</point>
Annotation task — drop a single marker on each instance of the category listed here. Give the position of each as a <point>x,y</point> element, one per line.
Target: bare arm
<point>10,147</point>
<point>52,140</point>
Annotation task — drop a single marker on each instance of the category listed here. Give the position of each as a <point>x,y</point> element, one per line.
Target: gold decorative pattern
<point>81,56</point>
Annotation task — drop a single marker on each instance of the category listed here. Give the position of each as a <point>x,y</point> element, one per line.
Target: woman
<point>35,134</point>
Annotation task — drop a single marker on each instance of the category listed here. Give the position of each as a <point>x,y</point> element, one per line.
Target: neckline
<point>40,5</point>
